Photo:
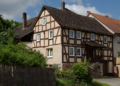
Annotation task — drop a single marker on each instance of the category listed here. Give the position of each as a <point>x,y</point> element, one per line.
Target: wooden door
<point>90,53</point>
<point>104,69</point>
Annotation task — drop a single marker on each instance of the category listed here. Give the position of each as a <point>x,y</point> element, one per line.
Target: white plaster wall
<point>116,47</point>
<point>57,54</point>
<point>29,44</point>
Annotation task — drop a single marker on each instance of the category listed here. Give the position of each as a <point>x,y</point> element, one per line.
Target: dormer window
<point>44,21</point>
<point>105,39</point>
<point>71,33</point>
<point>92,37</point>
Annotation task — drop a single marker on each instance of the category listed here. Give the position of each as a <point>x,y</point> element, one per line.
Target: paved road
<point>110,81</point>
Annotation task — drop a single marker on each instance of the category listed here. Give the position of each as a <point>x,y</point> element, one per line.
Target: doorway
<point>105,69</point>
<point>90,53</point>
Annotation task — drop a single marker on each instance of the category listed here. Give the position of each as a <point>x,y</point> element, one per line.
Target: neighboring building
<point>25,32</point>
<point>65,37</point>
<point>113,26</point>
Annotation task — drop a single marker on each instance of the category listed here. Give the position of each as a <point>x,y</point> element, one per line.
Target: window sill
<point>71,56</point>
<point>105,42</point>
<point>71,37</point>
<point>37,41</point>
<point>79,56</point>
<point>49,57</point>
<point>78,38</point>
<point>50,38</point>
<point>92,40</point>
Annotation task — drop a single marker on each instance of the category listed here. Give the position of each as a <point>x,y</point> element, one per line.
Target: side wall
<point>116,46</point>
<point>46,43</point>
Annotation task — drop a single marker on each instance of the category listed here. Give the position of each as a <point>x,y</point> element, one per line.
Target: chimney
<point>24,20</point>
<point>88,12</point>
<point>107,16</point>
<point>63,6</point>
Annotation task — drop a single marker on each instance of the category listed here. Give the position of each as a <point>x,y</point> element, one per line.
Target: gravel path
<point>110,81</point>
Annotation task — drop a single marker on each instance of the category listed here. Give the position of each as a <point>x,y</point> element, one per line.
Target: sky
<point>13,9</point>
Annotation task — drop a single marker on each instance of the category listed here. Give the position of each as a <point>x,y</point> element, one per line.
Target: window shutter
<point>38,37</point>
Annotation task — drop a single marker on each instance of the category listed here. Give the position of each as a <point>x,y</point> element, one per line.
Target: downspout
<point>113,51</point>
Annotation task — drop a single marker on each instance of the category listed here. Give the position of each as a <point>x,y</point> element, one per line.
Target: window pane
<point>50,34</point>
<point>44,21</point>
<point>118,38</point>
<point>105,39</point>
<point>50,52</point>
<point>71,34</point>
<point>38,37</point>
<point>71,51</point>
<point>78,35</point>
<point>78,51</point>
<point>47,52</point>
<point>92,37</point>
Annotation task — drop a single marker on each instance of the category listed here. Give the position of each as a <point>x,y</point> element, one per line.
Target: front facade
<point>64,46</point>
<point>47,38</point>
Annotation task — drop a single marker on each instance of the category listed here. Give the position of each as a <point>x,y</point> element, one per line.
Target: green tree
<point>6,24</point>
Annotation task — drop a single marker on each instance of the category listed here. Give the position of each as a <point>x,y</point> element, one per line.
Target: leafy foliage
<point>17,54</point>
<point>81,71</point>
<point>6,24</point>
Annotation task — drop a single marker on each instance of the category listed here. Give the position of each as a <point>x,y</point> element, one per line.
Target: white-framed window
<point>79,51</point>
<point>92,37</point>
<point>118,38</point>
<point>43,20</point>
<point>71,34</point>
<point>78,34</point>
<point>71,51</point>
<point>105,39</point>
<point>50,34</point>
<point>118,54</point>
<point>49,53</point>
<point>38,37</point>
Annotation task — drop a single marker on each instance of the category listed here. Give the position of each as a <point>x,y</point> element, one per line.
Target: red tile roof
<point>111,23</point>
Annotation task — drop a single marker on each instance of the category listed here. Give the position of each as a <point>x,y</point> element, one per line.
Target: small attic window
<point>44,21</point>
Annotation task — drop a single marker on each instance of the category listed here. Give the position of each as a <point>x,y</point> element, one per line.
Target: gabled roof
<point>67,18</point>
<point>111,23</point>
<point>23,32</point>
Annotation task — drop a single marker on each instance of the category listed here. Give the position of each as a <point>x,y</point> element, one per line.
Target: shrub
<point>82,71</point>
<point>17,54</point>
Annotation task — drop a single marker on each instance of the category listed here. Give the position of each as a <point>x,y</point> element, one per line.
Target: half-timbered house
<point>65,37</point>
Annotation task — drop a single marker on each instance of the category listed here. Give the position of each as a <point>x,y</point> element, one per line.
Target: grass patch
<point>63,81</point>
<point>95,83</point>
